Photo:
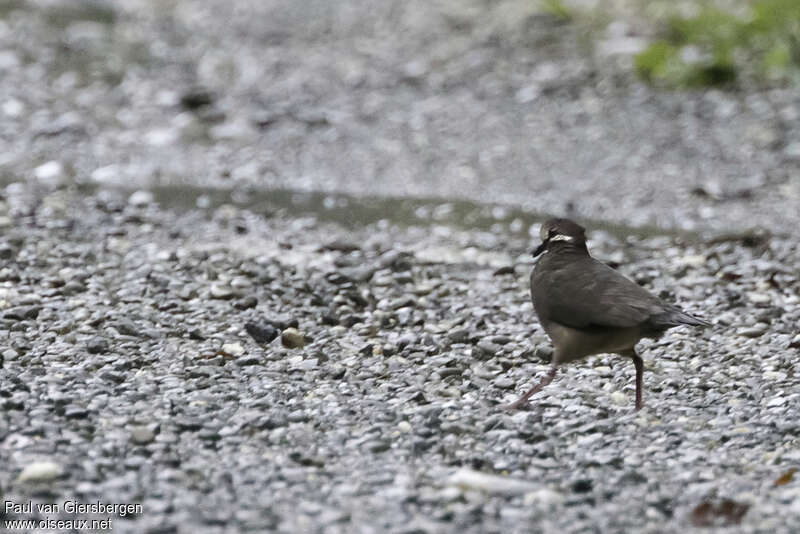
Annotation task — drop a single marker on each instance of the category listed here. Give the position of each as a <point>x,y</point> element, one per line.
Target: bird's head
<point>561,232</point>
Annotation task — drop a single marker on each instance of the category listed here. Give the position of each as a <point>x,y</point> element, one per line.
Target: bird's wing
<point>592,294</point>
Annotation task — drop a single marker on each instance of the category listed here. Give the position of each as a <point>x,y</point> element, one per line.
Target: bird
<point>588,308</point>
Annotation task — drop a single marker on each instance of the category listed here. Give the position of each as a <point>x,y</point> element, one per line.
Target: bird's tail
<point>674,316</point>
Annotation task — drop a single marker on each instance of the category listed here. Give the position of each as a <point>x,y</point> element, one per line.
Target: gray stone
<point>142,435</point>
<point>504,382</point>
<point>757,330</point>
<point>97,345</point>
<point>486,349</point>
<point>461,335</point>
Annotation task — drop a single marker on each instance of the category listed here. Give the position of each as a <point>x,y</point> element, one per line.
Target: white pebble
<point>233,349</point>
<point>619,398</point>
<point>40,472</point>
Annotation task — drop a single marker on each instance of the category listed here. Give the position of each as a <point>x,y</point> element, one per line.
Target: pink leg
<point>517,404</point>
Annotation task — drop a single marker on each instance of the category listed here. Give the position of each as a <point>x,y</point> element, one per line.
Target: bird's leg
<point>522,400</point>
<point>639,364</point>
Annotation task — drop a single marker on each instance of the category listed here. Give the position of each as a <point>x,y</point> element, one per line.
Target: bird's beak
<point>538,250</point>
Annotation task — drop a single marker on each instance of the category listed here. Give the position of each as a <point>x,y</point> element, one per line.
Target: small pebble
<point>488,349</point>
<point>142,435</point>
<point>489,483</point>
<point>232,349</point>
<point>759,298</point>
<point>619,398</point>
<point>45,471</point>
<point>291,338</point>
<point>97,345</point>
<point>504,382</point>
<point>140,198</point>
<point>459,336</point>
<point>221,291</point>
<point>757,330</point>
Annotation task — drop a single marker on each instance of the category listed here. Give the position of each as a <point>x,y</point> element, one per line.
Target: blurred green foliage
<point>557,9</point>
<point>716,46</point>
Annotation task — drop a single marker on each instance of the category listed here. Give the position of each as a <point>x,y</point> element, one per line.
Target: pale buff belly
<point>571,344</point>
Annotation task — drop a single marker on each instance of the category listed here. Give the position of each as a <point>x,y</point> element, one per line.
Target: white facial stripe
<point>562,237</point>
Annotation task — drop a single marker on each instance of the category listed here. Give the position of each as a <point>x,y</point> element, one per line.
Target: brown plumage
<point>586,307</point>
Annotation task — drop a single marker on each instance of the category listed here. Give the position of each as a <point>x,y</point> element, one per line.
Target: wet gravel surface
<point>465,99</point>
<point>232,372</point>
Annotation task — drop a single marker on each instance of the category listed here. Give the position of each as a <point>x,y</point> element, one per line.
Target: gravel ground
<point>235,372</point>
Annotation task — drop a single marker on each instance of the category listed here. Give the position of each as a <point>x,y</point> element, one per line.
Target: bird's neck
<point>567,247</point>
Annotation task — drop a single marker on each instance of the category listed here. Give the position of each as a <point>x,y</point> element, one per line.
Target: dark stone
<point>209,434</point>
<point>544,353</point>
<point>329,319</point>
<point>338,278</point>
<point>356,298</point>
<point>163,528</point>
<point>196,334</point>
<point>506,269</point>
<point>350,320</point>
<point>582,485</point>
<point>187,423</point>
<point>6,252</point>
<point>111,376</point>
<point>339,245</point>
<point>247,360</point>
<point>407,301</point>
<point>282,322</point>
<point>20,313</point>
<point>336,372</point>
<point>272,421</point>
<point>72,411</point>
<point>262,334</point>
<point>379,445</point>
<point>407,340</point>
<point>459,336</point>
<point>126,327</point>
<point>404,277</point>
<point>97,345</point>
<point>303,459</point>
<point>631,478</point>
<point>73,287</point>
<point>197,98</point>
<point>487,349</point>
<point>246,303</point>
